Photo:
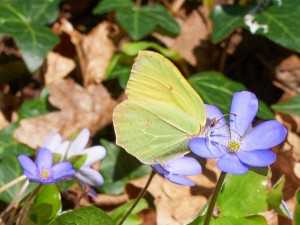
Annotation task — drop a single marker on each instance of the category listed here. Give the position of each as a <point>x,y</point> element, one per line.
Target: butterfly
<point>161,113</point>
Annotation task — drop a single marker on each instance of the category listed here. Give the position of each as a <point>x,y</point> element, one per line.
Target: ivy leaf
<point>24,21</point>
<point>46,205</point>
<point>118,168</point>
<point>112,5</point>
<point>216,89</point>
<point>136,22</point>
<point>84,216</point>
<point>34,107</point>
<point>9,146</point>
<point>282,22</point>
<point>244,195</point>
<point>292,106</point>
<point>139,21</point>
<point>226,19</point>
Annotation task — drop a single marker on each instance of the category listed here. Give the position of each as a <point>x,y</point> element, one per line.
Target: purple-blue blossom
<point>77,148</point>
<point>177,170</point>
<point>42,169</point>
<point>239,146</point>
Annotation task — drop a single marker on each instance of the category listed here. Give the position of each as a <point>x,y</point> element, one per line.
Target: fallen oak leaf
<point>58,67</point>
<point>178,205</point>
<point>89,107</point>
<point>3,122</point>
<point>193,31</point>
<point>94,50</point>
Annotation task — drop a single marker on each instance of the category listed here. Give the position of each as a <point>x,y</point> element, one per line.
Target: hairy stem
<point>140,196</point>
<point>213,199</point>
<point>12,183</point>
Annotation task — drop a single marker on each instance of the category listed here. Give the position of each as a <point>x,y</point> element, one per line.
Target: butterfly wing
<point>161,113</point>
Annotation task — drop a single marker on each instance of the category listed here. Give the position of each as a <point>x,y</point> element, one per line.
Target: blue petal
<point>181,180</point>
<point>160,169</point>
<point>29,168</point>
<point>43,159</point>
<point>264,136</point>
<point>213,113</point>
<point>90,177</point>
<point>258,158</point>
<point>183,166</point>
<point>62,170</point>
<point>230,163</point>
<point>202,147</point>
<point>244,107</point>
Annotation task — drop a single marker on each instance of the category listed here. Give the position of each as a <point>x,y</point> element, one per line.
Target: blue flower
<point>239,146</point>
<point>176,170</point>
<point>42,171</point>
<point>75,149</point>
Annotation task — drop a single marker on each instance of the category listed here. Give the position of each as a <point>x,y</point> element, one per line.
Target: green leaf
<point>9,146</point>
<point>163,18</point>
<point>132,49</point>
<point>136,22</point>
<point>230,220</point>
<point>216,89</point>
<point>112,5</point>
<point>243,195</point>
<point>118,213</point>
<point>297,210</point>
<point>10,170</point>
<point>275,199</point>
<point>118,69</point>
<point>225,20</point>
<point>282,21</point>
<point>118,168</point>
<point>24,21</point>
<point>46,205</point>
<point>141,21</point>
<point>84,216</point>
<point>256,220</point>
<point>34,107</point>
<point>292,106</point>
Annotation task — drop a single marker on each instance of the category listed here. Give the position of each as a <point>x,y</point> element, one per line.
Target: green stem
<point>12,183</point>
<point>140,196</point>
<point>213,200</point>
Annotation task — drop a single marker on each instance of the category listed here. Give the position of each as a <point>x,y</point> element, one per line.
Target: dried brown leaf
<point>89,107</point>
<point>3,122</point>
<point>178,205</point>
<point>58,67</point>
<point>94,50</point>
<point>288,73</point>
<point>193,32</point>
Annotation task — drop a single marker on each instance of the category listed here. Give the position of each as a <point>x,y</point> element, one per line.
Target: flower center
<point>45,174</point>
<point>233,146</point>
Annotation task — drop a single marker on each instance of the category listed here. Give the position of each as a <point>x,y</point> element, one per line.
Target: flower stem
<point>213,199</point>
<point>12,183</point>
<point>140,196</point>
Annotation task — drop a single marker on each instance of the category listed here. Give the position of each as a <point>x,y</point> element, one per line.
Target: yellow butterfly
<point>162,111</point>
